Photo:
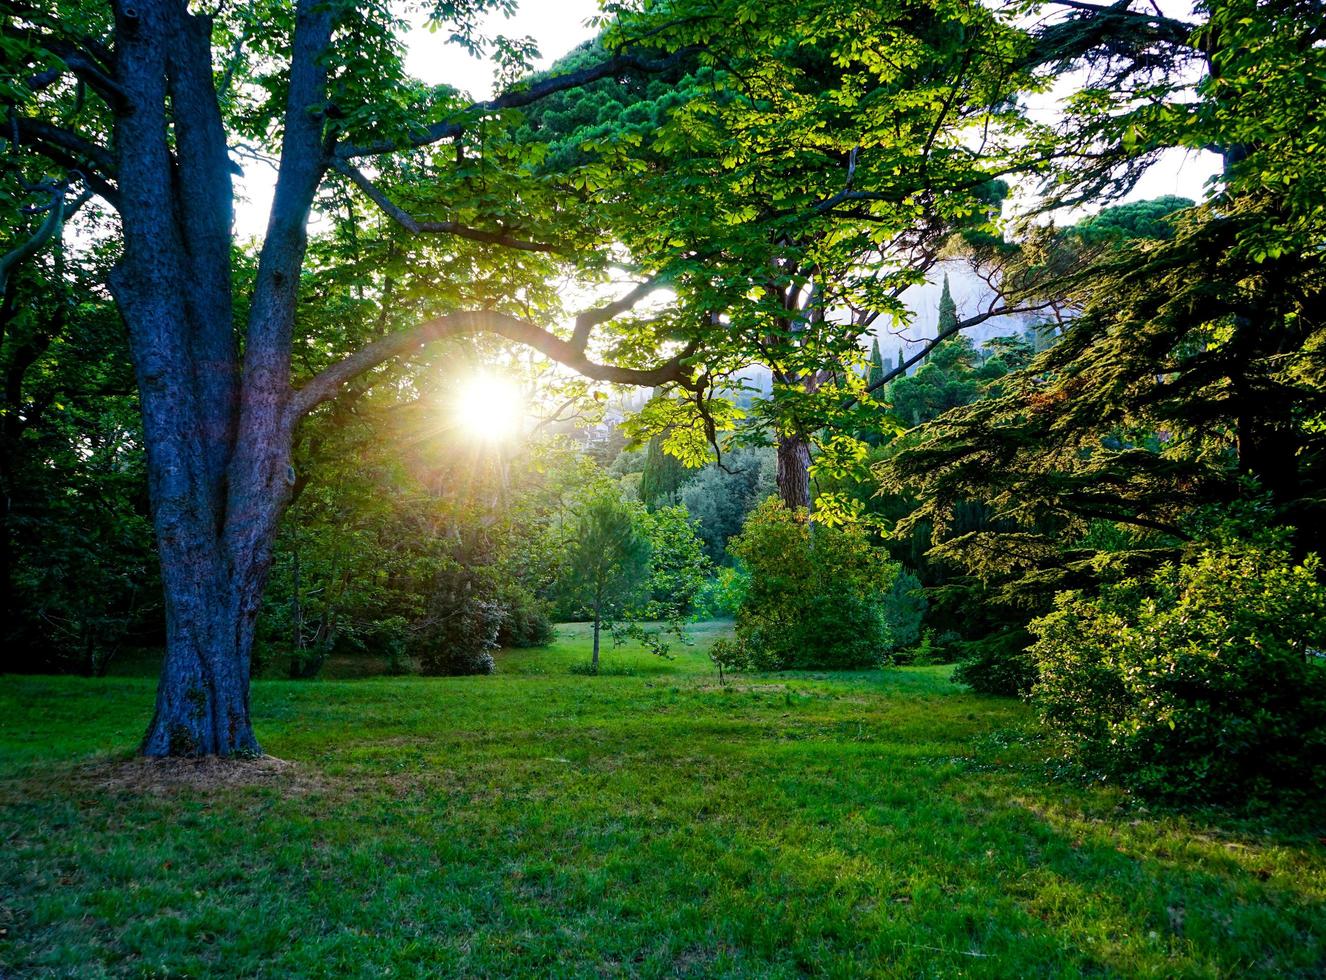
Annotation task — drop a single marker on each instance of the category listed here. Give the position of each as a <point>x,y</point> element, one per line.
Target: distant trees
<point>409,541</point>
<point>949,378</point>
<point>720,497</point>
<point>78,578</point>
<point>1149,219</point>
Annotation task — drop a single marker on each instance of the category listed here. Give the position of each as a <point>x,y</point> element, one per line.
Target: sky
<point>557,26</point>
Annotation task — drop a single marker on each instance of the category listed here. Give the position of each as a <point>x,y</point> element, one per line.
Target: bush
<point>526,621</point>
<point>817,597</point>
<point>1204,682</point>
<point>722,595</point>
<point>996,664</point>
<point>459,630</point>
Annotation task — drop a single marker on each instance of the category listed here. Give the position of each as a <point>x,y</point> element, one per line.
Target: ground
<point>648,822</point>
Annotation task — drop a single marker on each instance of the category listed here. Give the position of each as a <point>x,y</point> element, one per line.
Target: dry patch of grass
<point>161,776</point>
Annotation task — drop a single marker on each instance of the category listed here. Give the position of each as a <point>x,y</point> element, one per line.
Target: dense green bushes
<point>1204,681</point>
<point>996,664</point>
<point>817,597</point>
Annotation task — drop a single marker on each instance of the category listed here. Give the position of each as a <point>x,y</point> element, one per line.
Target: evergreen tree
<point>948,310</point>
<point>607,571</point>
<point>663,476</point>
<point>876,374</point>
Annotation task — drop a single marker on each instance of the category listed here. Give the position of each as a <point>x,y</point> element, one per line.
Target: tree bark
<point>794,471</point>
<point>202,703</point>
<point>212,470</point>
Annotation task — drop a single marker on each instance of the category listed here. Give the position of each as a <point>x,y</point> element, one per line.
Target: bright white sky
<point>557,26</point>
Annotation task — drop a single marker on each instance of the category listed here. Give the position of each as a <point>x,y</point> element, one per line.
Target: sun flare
<point>490,408</point>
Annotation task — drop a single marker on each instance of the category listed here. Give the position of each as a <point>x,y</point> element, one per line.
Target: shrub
<point>525,619</point>
<point>722,594</point>
<point>1203,682</point>
<point>996,664</point>
<point>459,630</point>
<point>816,598</point>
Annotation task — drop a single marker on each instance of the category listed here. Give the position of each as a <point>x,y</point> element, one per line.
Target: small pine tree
<point>608,561</point>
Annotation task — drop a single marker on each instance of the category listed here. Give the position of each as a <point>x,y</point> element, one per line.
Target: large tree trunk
<point>203,695</point>
<point>218,439</point>
<point>794,471</point>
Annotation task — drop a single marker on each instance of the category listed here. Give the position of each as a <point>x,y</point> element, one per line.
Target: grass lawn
<point>647,822</point>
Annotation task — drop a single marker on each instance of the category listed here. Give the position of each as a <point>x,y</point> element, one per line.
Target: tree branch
<point>326,385</point>
<point>417,227</point>
<point>80,63</point>
<point>515,98</point>
<point>44,233</point>
<point>45,136</point>
<point>587,321</point>
<point>944,335</point>
<point>1179,30</point>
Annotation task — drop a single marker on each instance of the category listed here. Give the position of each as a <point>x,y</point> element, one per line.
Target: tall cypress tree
<point>662,477</point>
<point>876,374</point>
<point>948,310</point>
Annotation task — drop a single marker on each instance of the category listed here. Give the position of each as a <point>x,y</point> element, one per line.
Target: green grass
<point>654,823</point>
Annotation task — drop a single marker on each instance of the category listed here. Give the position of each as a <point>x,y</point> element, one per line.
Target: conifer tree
<point>948,310</point>
<point>876,375</point>
<point>662,476</point>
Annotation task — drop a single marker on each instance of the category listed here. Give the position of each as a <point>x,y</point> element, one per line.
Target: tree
<point>1127,222</point>
<point>947,380</point>
<point>678,565</point>
<point>876,374</point>
<point>948,310</point>
<point>818,238</point>
<point>607,568</point>
<point>130,100</point>
<point>412,538</point>
<point>720,497</point>
<point>1188,389</point>
<point>662,477</point>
